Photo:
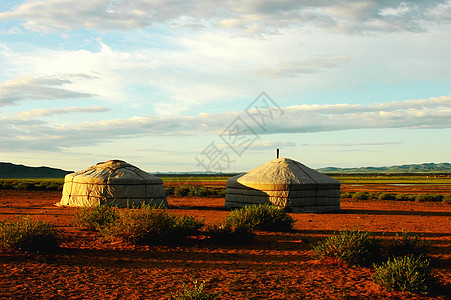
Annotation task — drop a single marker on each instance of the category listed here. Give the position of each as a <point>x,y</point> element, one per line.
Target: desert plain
<point>273,266</point>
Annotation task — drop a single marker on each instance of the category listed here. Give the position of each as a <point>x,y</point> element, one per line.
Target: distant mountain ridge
<point>412,168</point>
<point>9,170</point>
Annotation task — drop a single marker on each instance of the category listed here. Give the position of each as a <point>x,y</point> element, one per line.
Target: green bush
<point>346,194</point>
<point>405,197</point>
<point>220,191</point>
<point>385,196</point>
<point>182,190</point>
<point>406,273</point>
<point>196,191</point>
<point>261,217</point>
<point>169,190</point>
<point>194,293</point>
<point>428,198</point>
<point>185,226</point>
<point>373,196</point>
<point>149,225</point>
<point>28,235</point>
<point>95,218</point>
<point>447,199</point>
<point>226,233</point>
<point>406,244</point>
<point>360,196</point>
<point>352,247</point>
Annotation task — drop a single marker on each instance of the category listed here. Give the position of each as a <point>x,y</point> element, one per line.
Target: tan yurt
<point>285,183</point>
<point>113,182</point>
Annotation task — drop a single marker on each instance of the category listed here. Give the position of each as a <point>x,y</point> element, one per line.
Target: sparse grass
<point>407,244</point>
<point>226,233</point>
<point>28,235</point>
<point>196,292</point>
<point>447,199</point>
<point>149,225</point>
<point>406,273</point>
<point>95,218</point>
<point>266,217</point>
<point>353,247</point>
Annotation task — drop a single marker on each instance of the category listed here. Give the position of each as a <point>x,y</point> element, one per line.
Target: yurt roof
<point>279,174</point>
<point>114,172</point>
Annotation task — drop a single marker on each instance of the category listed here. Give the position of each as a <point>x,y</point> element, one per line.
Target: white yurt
<point>113,182</point>
<point>286,183</point>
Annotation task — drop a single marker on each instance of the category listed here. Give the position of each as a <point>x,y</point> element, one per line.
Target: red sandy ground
<point>274,266</point>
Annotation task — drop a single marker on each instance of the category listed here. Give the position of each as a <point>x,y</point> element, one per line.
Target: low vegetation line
<point>397,197</point>
<point>394,178</point>
<point>41,184</point>
<point>56,184</point>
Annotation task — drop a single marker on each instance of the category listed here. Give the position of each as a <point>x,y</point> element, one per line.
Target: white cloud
<point>255,17</point>
<point>409,114</point>
<point>353,145</point>
<point>185,71</point>
<point>285,69</point>
<point>265,145</point>
<point>402,9</point>
<point>45,112</point>
<point>174,80</point>
<point>28,88</point>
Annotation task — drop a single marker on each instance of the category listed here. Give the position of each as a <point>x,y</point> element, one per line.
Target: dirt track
<point>275,266</point>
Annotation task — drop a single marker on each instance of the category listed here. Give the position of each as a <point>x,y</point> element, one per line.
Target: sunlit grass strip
<point>421,197</point>
<point>40,184</point>
<point>188,179</point>
<point>393,179</point>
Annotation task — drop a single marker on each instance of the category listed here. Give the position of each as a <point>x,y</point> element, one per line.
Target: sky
<point>183,85</point>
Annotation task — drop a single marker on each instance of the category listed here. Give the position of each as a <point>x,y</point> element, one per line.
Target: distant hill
<point>9,170</point>
<point>413,168</point>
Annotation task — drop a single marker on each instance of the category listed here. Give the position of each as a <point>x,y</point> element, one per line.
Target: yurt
<point>285,183</point>
<point>113,182</point>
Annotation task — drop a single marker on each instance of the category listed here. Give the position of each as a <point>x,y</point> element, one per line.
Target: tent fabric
<point>113,182</point>
<point>285,183</point>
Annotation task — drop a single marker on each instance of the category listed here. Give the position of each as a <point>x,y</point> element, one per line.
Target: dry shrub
<point>196,292</point>
<point>28,235</point>
<point>353,247</point>
<point>150,225</point>
<point>95,218</point>
<point>266,217</point>
<point>406,273</point>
